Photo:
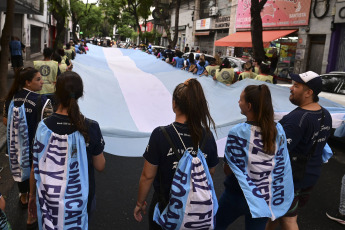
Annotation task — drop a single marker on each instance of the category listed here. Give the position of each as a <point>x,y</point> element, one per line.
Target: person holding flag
<point>24,108</point>
<point>68,147</point>
<point>259,180</point>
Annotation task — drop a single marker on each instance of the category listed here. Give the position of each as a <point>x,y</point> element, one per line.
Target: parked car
<point>333,82</point>
<point>236,63</point>
<point>158,48</point>
<point>208,57</point>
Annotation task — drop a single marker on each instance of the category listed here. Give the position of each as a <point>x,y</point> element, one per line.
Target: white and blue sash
<point>18,142</point>
<point>266,180</point>
<point>193,201</point>
<point>62,179</point>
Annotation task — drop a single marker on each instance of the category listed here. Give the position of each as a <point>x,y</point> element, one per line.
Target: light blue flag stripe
<point>104,100</point>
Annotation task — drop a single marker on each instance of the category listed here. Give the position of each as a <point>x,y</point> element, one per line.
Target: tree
<point>91,23</point>
<point>161,14</point>
<point>138,9</point>
<point>60,11</point>
<point>4,53</point>
<point>79,11</point>
<point>256,29</point>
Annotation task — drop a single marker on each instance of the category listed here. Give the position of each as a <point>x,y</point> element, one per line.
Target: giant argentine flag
<point>129,93</point>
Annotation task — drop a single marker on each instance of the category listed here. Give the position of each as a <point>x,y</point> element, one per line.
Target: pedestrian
<point>190,63</point>
<point>200,66</point>
<point>218,61</point>
<point>192,127</point>
<point>225,73</point>
<point>251,148</point>
<point>186,49</point>
<point>274,62</point>
<point>197,50</point>
<point>264,73</point>
<point>212,68</point>
<point>70,143</point>
<point>178,60</point>
<point>339,215</point>
<point>49,71</point>
<point>24,108</point>
<point>307,129</point>
<point>70,53</point>
<point>16,49</point>
<point>62,67</point>
<point>65,59</point>
<point>247,72</point>
<point>192,50</point>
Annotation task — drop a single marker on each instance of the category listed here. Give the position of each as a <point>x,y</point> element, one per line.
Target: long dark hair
<point>191,59</point>
<point>69,88</point>
<point>20,77</point>
<point>190,99</point>
<point>260,98</point>
<point>225,64</point>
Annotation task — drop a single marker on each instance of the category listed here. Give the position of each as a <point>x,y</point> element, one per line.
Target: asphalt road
<point>117,186</point>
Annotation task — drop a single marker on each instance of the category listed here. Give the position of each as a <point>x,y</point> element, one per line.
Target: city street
<point>117,186</point>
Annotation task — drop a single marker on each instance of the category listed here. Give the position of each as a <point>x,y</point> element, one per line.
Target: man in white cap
<point>307,129</point>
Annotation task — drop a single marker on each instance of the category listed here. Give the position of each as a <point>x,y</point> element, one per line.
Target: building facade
<point>33,25</point>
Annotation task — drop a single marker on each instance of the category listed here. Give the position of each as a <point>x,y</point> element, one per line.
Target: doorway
<point>316,48</point>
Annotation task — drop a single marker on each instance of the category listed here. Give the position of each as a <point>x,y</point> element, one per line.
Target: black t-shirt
<point>31,109</point>
<point>60,124</point>
<point>302,127</point>
<point>159,152</point>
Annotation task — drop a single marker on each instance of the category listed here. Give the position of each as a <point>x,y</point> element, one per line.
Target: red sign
<point>149,27</point>
<point>276,13</point>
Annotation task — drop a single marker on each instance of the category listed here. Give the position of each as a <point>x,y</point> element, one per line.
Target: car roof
<point>206,55</point>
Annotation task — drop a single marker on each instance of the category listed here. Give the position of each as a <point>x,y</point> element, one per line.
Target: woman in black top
<point>192,122</point>
<point>23,91</point>
<point>68,119</point>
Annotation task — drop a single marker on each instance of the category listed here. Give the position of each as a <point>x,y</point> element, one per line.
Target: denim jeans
<point>232,206</point>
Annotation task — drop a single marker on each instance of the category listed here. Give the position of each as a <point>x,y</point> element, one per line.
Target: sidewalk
<point>6,181</point>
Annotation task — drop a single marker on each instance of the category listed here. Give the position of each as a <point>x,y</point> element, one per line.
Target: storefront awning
<point>202,33</point>
<point>244,39</point>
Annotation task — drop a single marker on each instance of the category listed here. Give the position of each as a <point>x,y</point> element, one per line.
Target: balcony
<point>25,6</point>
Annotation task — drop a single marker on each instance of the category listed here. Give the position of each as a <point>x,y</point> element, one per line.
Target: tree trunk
<point>74,27</point>
<point>4,54</point>
<point>177,14</point>
<point>60,31</point>
<point>256,29</point>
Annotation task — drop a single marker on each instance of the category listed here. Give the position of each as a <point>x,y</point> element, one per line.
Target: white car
<point>208,57</point>
<point>236,63</point>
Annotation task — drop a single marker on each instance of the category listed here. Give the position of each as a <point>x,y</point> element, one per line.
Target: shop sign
<point>203,24</point>
<point>222,22</point>
<point>276,13</point>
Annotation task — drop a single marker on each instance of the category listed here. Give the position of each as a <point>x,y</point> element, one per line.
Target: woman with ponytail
<point>67,149</point>
<point>250,151</point>
<point>193,125</point>
<point>24,108</point>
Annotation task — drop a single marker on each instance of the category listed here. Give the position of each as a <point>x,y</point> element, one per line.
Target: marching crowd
<point>220,70</point>
<point>54,149</point>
